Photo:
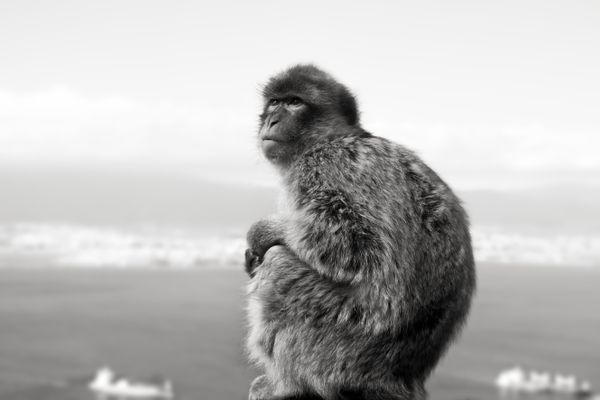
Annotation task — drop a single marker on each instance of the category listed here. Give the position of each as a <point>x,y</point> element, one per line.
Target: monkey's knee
<point>263,389</point>
<point>260,389</point>
<point>374,394</point>
<point>277,254</point>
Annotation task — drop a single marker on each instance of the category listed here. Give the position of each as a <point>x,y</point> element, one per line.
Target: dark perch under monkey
<point>365,276</point>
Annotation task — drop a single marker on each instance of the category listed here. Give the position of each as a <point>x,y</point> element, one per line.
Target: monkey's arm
<point>340,226</point>
<point>285,297</point>
<point>291,290</point>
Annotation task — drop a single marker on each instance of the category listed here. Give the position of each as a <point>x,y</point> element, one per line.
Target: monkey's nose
<point>273,123</point>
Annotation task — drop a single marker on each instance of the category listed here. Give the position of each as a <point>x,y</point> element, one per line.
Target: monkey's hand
<point>252,261</point>
<point>265,234</point>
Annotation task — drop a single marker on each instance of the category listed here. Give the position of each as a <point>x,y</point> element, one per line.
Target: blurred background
<point>129,173</point>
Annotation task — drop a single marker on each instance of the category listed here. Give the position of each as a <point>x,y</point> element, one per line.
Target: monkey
<point>364,277</point>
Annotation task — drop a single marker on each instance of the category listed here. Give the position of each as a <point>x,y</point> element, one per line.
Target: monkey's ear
<point>348,107</point>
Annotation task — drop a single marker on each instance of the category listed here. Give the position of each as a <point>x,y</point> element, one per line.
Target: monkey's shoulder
<point>341,159</point>
<point>360,160</point>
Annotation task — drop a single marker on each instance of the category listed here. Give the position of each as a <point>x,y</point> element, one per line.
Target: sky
<point>491,94</point>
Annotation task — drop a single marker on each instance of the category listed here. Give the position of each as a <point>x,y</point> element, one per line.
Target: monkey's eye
<point>273,102</point>
<point>295,101</point>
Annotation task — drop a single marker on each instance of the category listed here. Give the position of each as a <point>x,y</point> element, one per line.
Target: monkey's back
<point>406,269</point>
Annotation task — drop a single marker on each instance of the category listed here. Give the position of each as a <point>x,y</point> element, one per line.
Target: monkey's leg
<point>367,394</point>
<point>288,295</point>
<point>310,318</point>
<point>262,389</point>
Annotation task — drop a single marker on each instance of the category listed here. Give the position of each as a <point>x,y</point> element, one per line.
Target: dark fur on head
<point>318,87</point>
<point>304,106</point>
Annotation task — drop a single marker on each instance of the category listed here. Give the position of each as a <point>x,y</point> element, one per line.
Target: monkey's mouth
<point>273,142</point>
<point>268,143</point>
<point>273,138</point>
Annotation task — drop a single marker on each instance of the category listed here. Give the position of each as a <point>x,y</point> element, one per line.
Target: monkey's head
<point>302,106</point>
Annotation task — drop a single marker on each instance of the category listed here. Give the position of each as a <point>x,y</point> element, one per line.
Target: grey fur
<point>360,285</point>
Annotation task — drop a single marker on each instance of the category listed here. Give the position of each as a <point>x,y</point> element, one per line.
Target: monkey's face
<point>302,106</point>
<point>281,126</point>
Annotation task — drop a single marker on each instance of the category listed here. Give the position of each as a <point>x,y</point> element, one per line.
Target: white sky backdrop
<point>490,93</point>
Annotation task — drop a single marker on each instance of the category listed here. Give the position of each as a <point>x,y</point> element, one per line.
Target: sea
<point>158,302</point>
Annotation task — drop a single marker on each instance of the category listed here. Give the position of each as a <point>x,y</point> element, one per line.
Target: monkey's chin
<point>274,151</point>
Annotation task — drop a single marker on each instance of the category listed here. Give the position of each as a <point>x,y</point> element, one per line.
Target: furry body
<point>364,279</point>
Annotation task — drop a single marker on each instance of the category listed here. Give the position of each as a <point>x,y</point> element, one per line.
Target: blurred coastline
<point>183,248</point>
<point>117,219</point>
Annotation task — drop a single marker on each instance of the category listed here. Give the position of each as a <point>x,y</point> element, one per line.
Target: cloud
<point>60,126</point>
<point>501,155</point>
